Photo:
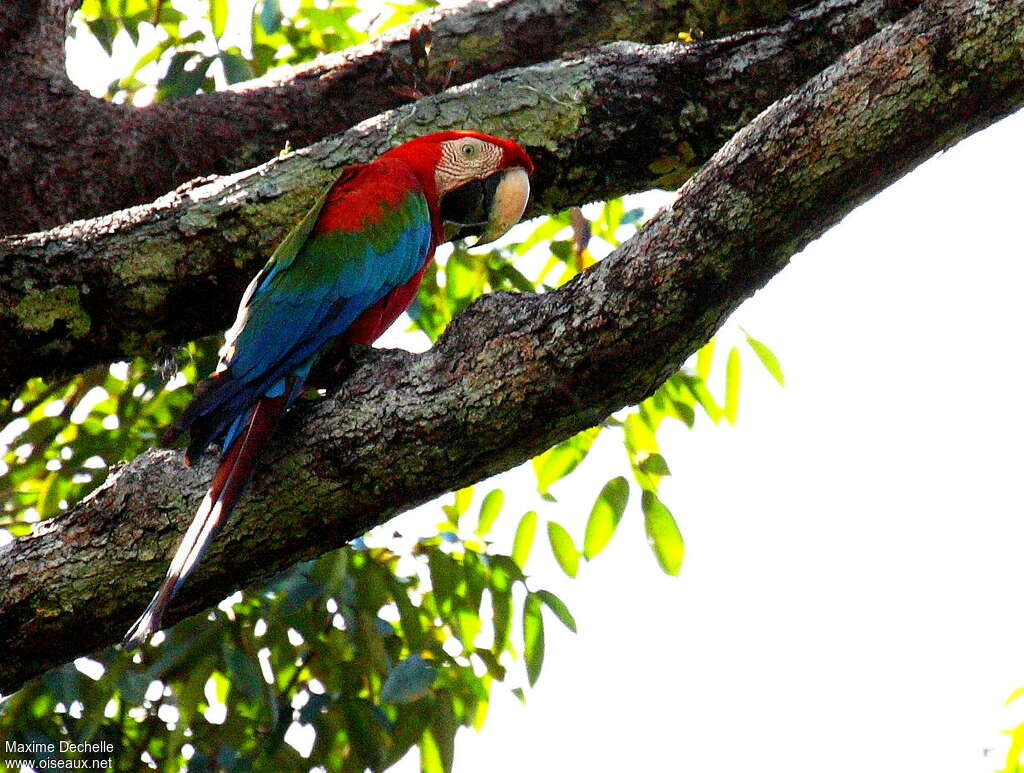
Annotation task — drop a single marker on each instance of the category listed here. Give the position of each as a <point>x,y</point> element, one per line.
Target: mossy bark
<point>516,373</point>
<point>620,118</point>
<point>68,156</point>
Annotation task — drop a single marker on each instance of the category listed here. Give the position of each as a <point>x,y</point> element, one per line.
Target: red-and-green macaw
<point>343,275</point>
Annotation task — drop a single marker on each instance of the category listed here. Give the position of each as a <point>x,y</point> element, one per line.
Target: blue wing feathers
<point>312,289</point>
<point>367,236</point>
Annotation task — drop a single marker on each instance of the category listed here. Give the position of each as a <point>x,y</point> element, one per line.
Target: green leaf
<point>655,465</point>
<point>648,465</point>
<point>467,627</point>
<point>464,279</point>
<point>558,606</point>
<point>704,357</point>
<point>150,56</point>
<point>104,30</point>
<point>91,9</point>
<point>640,438</point>
<point>555,463</point>
<point>611,216</point>
<point>768,359</point>
<point>179,82</point>
<point>463,499</point>
<point>48,501</point>
<point>408,614</point>
<point>543,232</point>
<point>503,274</point>
<point>364,731</point>
<point>444,575</point>
<point>246,677</point>
<point>443,725</point>
<point>430,754</point>
<point>131,26</point>
<point>563,250</point>
<point>489,510</point>
<point>662,533</point>
<point>501,601</point>
<point>1014,696</point>
<point>562,546</point>
<point>533,637</point>
<point>221,685</point>
<point>408,730</point>
<point>732,386</point>
<point>270,16</point>
<point>335,19</point>
<point>236,68</point>
<point>218,16</point>
<point>605,516</point>
<point>490,661</point>
<point>680,398</point>
<point>523,540</point>
<point>505,572</point>
<point>410,680</point>
<point>699,388</point>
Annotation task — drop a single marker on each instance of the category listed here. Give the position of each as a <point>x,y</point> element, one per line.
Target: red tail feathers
<point>229,481</point>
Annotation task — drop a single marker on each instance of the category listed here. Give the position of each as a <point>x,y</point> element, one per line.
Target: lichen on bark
<point>595,122</point>
<point>404,428</point>
<point>40,312</point>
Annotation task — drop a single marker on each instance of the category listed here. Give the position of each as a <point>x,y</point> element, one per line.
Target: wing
<point>368,234</point>
<point>372,235</point>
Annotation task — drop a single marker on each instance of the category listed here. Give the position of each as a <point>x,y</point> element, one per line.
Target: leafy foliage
<point>351,660</point>
<point>368,651</point>
<point>187,54</point>
<point>59,440</point>
<point>360,653</point>
<point>1015,752</point>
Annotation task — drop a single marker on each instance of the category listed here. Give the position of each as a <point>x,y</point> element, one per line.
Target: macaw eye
<point>469,150</point>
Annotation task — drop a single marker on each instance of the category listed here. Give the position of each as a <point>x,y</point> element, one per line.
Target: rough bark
<point>516,373</point>
<point>620,118</point>
<point>158,147</point>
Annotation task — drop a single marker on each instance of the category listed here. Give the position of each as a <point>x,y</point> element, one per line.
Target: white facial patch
<point>465,159</point>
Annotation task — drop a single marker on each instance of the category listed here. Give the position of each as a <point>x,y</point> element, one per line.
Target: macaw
<point>348,269</point>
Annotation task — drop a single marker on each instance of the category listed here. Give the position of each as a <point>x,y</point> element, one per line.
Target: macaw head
<point>480,183</point>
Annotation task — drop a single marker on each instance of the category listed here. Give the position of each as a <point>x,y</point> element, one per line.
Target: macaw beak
<point>507,202</point>
<point>486,208</point>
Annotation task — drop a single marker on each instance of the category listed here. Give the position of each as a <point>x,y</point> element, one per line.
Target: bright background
<point>851,594</point>
<point>850,597</point>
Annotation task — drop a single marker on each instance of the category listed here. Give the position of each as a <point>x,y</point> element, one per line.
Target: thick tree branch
<point>516,373</point>
<point>621,118</point>
<point>32,38</point>
<point>155,148</point>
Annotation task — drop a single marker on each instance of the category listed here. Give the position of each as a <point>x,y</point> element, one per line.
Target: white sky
<point>849,599</point>
<point>851,590</point>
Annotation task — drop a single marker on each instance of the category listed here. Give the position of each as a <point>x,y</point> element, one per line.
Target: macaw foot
<point>357,352</point>
<point>337,364</point>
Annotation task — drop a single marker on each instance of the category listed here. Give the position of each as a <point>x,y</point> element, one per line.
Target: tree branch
<point>158,147</point>
<point>32,36</point>
<point>622,118</point>
<point>516,373</point>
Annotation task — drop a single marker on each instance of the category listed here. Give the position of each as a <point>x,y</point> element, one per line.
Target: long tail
<point>229,481</point>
